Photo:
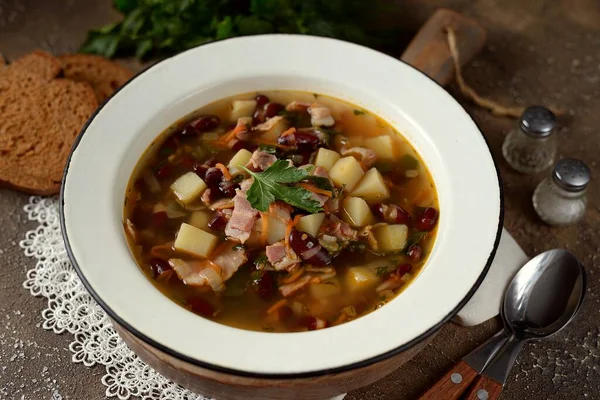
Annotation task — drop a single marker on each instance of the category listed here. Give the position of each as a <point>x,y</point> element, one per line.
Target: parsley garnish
<point>381,271</point>
<point>320,182</point>
<point>267,148</point>
<point>359,112</point>
<point>270,185</point>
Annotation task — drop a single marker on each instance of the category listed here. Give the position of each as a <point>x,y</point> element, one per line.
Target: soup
<point>281,211</point>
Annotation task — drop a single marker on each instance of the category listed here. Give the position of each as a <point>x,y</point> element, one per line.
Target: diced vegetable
<point>356,211</point>
<point>277,129</point>
<point>200,219</point>
<point>359,278</point>
<point>391,238</point>
<point>326,158</point>
<point>322,291</point>
<point>383,146</point>
<point>242,108</point>
<point>311,223</point>
<point>194,241</point>
<point>188,187</point>
<point>240,158</point>
<point>372,187</point>
<point>173,210</point>
<point>346,172</point>
<point>275,230</point>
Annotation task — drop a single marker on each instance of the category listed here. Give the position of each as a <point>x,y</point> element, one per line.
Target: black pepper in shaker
<point>560,199</point>
<point>531,147</point>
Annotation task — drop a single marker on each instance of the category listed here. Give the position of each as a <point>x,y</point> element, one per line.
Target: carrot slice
<point>315,189</point>
<point>277,306</point>
<point>295,275</point>
<point>224,170</point>
<point>288,132</point>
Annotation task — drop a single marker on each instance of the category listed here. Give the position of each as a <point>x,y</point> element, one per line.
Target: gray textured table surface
<point>538,51</point>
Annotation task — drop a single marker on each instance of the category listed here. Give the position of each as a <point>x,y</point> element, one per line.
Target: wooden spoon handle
<point>484,389</point>
<point>428,51</point>
<point>453,385</point>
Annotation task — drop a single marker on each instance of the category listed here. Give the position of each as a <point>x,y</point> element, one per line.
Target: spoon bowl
<point>544,296</point>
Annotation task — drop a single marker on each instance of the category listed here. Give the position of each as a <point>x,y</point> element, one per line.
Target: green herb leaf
<point>359,112</point>
<point>381,271</point>
<point>408,162</point>
<point>268,186</point>
<point>268,148</point>
<point>320,182</point>
<point>125,6</point>
<point>415,238</point>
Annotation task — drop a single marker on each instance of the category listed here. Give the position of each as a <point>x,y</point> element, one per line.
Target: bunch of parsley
<point>156,28</point>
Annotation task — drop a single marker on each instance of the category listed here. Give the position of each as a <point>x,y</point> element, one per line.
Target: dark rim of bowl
<point>274,376</point>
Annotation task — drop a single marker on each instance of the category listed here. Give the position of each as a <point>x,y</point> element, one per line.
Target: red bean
<point>163,171</point>
<point>414,253</point>
<point>188,131</point>
<point>206,123</point>
<point>261,100</point>
<point>427,219</point>
<point>218,222</point>
<point>211,162</point>
<point>402,270</point>
<point>308,322</point>
<point>201,306</point>
<point>158,266</point>
<point>272,109</point>
<point>200,170</point>
<point>244,144</point>
<point>264,284</point>
<point>302,241</point>
<point>159,220</point>
<point>391,213</point>
<point>213,177</point>
<point>258,117</point>
<point>306,141</point>
<point>322,258</point>
<point>287,140</point>
<point>228,188</point>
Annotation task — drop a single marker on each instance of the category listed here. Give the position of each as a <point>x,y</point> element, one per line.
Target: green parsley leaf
<point>381,271</point>
<point>359,112</point>
<point>269,186</point>
<point>320,182</point>
<point>268,148</point>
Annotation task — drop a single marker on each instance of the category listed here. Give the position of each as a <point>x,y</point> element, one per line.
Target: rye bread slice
<point>39,120</point>
<point>39,63</point>
<point>103,75</point>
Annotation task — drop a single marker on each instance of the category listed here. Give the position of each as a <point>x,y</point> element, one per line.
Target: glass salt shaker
<point>560,199</point>
<point>531,147</point>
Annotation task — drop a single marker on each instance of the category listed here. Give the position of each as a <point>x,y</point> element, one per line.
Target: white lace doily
<point>72,309</point>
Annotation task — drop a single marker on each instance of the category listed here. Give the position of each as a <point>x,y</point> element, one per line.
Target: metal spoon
<point>542,298</point>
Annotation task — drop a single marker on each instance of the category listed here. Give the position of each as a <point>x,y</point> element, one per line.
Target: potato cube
<point>326,158</point>
<point>188,187</point>
<point>322,291</point>
<point>356,211</point>
<point>383,146</point>
<point>372,187</point>
<point>391,238</point>
<point>359,278</point>
<point>194,241</point>
<point>242,108</point>
<point>240,158</point>
<point>346,172</point>
<point>276,126</point>
<point>275,229</point>
<point>310,223</point>
<point>200,219</point>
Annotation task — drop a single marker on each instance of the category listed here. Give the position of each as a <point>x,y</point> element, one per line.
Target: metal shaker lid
<point>537,121</point>
<point>571,174</point>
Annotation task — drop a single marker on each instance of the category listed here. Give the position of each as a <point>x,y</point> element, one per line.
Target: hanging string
<point>467,91</point>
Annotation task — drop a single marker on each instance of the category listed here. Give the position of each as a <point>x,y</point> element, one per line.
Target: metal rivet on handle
<point>456,377</point>
<point>482,394</point>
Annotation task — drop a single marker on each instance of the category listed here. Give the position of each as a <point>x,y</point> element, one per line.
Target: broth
<point>330,235</point>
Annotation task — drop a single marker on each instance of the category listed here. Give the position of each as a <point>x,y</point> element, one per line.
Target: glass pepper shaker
<point>560,199</point>
<point>531,147</point>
